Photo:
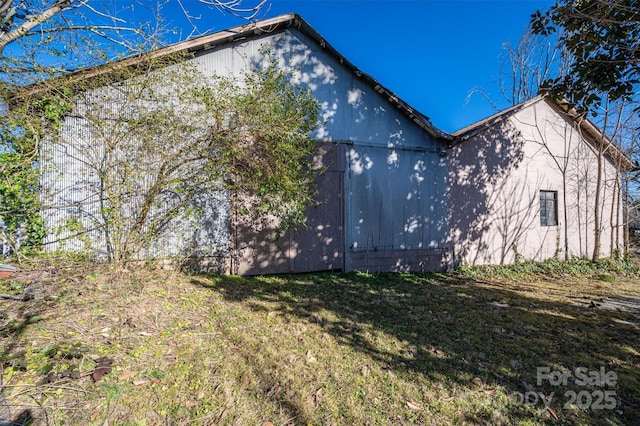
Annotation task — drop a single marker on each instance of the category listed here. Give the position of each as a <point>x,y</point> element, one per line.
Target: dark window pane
<point>548,208</point>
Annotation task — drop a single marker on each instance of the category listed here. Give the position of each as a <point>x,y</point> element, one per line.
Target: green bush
<point>605,269</point>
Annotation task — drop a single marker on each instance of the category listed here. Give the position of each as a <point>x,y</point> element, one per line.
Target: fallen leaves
<point>310,358</point>
<point>477,381</point>
<point>102,369</point>
<point>126,376</point>
<point>320,360</point>
<point>412,405</point>
<point>552,413</point>
<point>365,371</point>
<point>437,352</point>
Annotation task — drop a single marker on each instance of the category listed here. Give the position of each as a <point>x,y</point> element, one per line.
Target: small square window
<point>548,208</point>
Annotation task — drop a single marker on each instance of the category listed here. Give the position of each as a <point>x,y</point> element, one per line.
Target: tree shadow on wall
<point>491,202</point>
<point>383,205</point>
<point>315,245</point>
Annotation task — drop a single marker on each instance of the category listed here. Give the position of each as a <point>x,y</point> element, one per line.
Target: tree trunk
<point>614,217</point>
<point>596,210</point>
<point>566,219</point>
<point>625,222</point>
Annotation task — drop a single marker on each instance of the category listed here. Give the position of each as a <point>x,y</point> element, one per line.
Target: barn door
<point>316,247</point>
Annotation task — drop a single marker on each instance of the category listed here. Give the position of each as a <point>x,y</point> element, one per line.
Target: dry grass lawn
<point>156,347</point>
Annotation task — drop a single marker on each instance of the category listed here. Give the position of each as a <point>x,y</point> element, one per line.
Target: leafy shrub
<point>604,269</point>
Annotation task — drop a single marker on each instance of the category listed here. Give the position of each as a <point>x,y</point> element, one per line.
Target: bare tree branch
<point>4,6</point>
<point>235,7</point>
<point>104,15</point>
<point>32,23</point>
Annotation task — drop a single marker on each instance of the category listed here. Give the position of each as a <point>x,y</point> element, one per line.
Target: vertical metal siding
<point>70,191</point>
<point>316,246</point>
<point>396,205</point>
<point>395,199</point>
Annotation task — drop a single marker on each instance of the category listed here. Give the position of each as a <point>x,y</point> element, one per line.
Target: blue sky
<point>430,53</point>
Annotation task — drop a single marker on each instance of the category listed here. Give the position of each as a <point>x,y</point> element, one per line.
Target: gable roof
<point>475,128</point>
<point>588,129</point>
<point>255,29</point>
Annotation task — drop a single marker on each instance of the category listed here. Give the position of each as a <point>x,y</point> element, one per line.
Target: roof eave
<point>417,117</point>
<point>595,135</point>
<point>261,27</point>
<point>471,130</point>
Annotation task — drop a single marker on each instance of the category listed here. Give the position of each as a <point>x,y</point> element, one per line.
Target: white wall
<point>495,181</point>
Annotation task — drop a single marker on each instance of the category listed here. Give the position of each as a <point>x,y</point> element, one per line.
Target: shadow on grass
<point>464,333</point>
<point>11,355</point>
<point>17,316</point>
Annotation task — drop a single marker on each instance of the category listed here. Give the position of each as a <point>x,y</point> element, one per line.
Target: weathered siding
<point>316,246</point>
<point>495,181</point>
<point>394,204</point>
<point>73,187</point>
<point>396,208</point>
<point>351,109</point>
<point>383,194</point>
<point>70,191</point>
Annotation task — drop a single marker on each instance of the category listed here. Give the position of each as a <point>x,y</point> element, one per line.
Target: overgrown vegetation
<point>41,42</point>
<point>174,348</point>
<point>19,204</point>
<point>21,133</point>
<point>606,269</point>
<point>134,153</point>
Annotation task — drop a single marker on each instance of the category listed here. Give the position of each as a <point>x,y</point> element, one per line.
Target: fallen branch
<point>21,297</point>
